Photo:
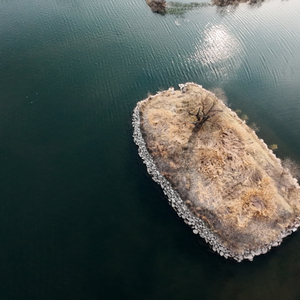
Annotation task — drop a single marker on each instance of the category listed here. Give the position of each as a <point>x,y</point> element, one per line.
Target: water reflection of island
<point>179,8</point>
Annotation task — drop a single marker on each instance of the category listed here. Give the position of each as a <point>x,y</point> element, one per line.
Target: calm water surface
<point>79,216</point>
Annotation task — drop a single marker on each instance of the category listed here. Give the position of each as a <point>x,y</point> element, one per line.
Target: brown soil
<point>224,173</point>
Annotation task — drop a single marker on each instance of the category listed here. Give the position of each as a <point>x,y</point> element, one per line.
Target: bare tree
<point>203,114</point>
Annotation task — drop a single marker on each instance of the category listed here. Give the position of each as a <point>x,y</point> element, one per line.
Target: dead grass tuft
<point>258,202</point>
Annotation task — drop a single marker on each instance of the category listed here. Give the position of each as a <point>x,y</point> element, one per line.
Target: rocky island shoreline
<point>241,216</point>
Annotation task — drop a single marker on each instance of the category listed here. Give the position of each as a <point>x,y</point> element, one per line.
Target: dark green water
<point>79,216</point>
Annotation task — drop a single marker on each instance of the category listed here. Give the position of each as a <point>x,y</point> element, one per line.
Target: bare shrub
<point>254,127</point>
<point>220,94</point>
<point>244,117</point>
<point>292,166</point>
<point>273,147</point>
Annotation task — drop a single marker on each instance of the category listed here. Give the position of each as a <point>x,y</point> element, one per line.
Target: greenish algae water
<point>79,216</point>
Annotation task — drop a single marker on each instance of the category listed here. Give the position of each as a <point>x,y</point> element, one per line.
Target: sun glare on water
<point>217,47</point>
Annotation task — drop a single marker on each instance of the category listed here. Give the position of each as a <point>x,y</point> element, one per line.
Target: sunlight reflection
<point>217,46</point>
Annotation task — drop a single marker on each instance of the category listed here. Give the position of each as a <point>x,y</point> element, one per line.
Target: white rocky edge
<point>181,208</point>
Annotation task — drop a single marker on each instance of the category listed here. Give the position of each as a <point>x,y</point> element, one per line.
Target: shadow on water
<point>160,276</point>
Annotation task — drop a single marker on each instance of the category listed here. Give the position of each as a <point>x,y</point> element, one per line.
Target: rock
<point>258,252</point>
<point>157,6</point>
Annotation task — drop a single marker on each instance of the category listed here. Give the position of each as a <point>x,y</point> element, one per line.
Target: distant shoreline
<point>173,7</point>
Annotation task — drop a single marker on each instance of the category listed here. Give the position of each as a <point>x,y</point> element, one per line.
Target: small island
<point>157,6</point>
<point>216,173</point>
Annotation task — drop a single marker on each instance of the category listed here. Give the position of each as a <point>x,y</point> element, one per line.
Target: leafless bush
<point>273,147</point>
<point>254,127</point>
<point>292,166</point>
<point>220,94</point>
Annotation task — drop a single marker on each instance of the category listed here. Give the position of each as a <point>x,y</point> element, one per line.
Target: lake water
<point>79,216</point>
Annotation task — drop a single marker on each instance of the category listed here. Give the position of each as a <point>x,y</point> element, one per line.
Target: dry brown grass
<point>257,202</point>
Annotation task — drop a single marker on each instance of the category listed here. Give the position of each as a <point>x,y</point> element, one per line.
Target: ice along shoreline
<point>174,199</point>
